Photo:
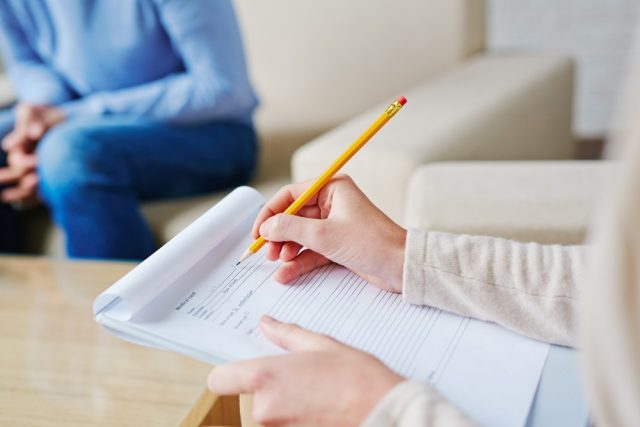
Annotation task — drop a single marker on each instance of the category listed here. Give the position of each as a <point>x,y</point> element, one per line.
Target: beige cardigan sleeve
<point>413,403</point>
<point>527,287</point>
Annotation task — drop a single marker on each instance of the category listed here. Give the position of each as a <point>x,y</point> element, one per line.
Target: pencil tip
<point>244,256</point>
<point>237,264</point>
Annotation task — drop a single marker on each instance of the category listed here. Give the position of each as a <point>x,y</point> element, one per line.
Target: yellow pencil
<point>332,170</point>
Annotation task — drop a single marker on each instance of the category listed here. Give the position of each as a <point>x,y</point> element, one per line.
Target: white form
<point>211,312</point>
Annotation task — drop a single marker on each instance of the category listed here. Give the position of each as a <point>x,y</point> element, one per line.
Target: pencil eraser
<point>402,100</point>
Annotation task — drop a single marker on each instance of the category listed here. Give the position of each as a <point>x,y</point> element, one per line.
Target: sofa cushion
<point>492,107</point>
<point>546,201</point>
<point>316,64</point>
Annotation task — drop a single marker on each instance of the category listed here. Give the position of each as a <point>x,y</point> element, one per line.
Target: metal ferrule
<point>393,108</point>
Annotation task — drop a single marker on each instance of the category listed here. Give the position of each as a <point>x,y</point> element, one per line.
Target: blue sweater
<point>169,60</point>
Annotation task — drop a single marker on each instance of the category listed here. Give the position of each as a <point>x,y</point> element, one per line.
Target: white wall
<point>597,33</point>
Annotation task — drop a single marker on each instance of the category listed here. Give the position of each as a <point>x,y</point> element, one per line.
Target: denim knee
<point>70,159</point>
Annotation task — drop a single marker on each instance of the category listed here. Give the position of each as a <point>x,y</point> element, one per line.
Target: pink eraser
<point>402,100</point>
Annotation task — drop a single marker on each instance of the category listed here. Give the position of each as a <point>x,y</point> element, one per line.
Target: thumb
<point>293,337</point>
<point>308,232</point>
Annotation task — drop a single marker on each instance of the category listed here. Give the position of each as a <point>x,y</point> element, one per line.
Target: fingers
<point>286,251</point>
<point>272,253</point>
<point>26,115</point>
<point>237,377</point>
<point>289,251</point>
<point>287,194</point>
<point>35,130</point>
<point>14,139</point>
<point>31,123</point>
<point>9,176</point>
<point>280,202</point>
<point>293,337</point>
<point>307,232</point>
<point>305,262</point>
<point>26,189</point>
<point>21,161</point>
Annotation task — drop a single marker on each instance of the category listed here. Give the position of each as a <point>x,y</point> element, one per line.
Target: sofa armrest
<point>492,107</point>
<point>549,202</point>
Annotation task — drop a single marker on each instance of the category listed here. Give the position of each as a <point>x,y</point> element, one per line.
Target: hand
<point>32,122</point>
<point>20,176</point>
<point>339,224</point>
<point>320,383</point>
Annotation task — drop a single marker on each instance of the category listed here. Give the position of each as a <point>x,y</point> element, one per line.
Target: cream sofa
<point>487,107</point>
<point>324,70</point>
<point>541,201</point>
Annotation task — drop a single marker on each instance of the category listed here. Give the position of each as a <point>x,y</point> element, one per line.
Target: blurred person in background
<point>120,101</point>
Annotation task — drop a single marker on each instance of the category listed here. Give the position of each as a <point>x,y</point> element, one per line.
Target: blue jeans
<point>94,172</point>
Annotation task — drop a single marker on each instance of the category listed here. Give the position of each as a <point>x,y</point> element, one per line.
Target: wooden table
<point>58,367</point>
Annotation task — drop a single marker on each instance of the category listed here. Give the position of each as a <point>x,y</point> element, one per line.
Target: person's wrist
<point>377,392</point>
<point>397,259</point>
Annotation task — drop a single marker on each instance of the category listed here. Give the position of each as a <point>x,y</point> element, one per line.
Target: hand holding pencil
<point>319,183</point>
<point>339,224</point>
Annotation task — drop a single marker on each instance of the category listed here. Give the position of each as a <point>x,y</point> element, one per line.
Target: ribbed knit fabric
<point>413,403</point>
<point>526,287</point>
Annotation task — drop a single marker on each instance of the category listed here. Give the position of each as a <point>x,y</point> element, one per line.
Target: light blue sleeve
<point>215,84</point>
<point>32,80</point>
